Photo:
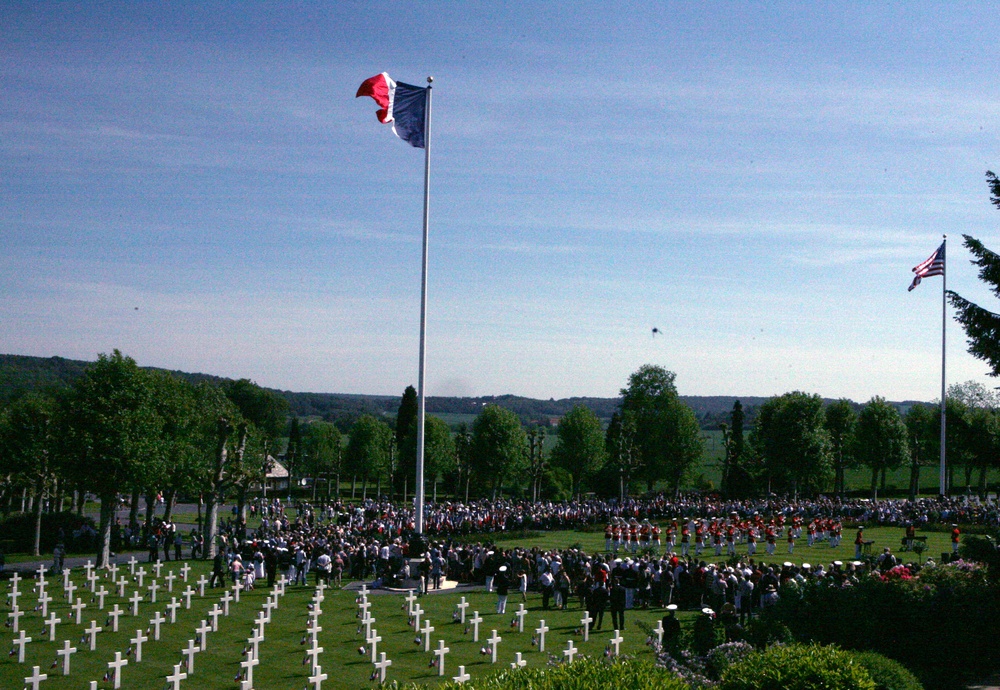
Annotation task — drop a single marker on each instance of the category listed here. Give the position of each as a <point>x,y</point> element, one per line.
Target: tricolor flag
<point>933,266</point>
<point>404,105</point>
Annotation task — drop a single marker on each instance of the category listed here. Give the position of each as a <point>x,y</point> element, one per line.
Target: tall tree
<point>404,473</point>
<point>880,439</point>
<point>840,421</point>
<point>113,430</point>
<point>368,448</point>
<point>499,446</point>
<point>920,432</point>
<point>790,437</point>
<point>981,325</point>
<point>623,453</point>
<point>536,458</point>
<point>668,435</point>
<point>580,447</point>
<point>463,460</point>
<point>323,448</point>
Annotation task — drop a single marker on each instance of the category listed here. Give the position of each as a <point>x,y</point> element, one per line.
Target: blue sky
<point>196,185</point>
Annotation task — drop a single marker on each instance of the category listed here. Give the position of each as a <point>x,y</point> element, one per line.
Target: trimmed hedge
<point>887,674</point>
<point>798,667</point>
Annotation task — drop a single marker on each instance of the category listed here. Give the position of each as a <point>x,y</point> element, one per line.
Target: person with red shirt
<point>955,533</point>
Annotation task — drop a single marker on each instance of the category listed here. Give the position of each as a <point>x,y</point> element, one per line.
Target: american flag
<point>933,266</point>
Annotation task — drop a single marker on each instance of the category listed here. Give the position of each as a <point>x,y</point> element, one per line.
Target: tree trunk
<point>133,513</point>
<point>150,509</point>
<point>883,481</point>
<point>168,504</point>
<point>914,481</point>
<point>82,502</point>
<point>354,485</point>
<point>982,481</point>
<point>108,503</point>
<point>874,492</point>
<point>39,493</point>
<point>214,494</point>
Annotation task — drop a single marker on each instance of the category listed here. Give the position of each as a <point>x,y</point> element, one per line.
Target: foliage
<point>840,422</point>
<point>19,528</point>
<point>887,673</point>
<point>707,634</point>
<point>580,448</point>
<point>368,448</point>
<point>790,436</point>
<point>323,446</point>
<point>263,408</point>
<point>439,449</point>
<point>880,438</point>
<point>981,549</point>
<point>667,434</point>
<point>797,667</point>
<point>499,446</point>
<point>582,674</point>
<point>764,632</point>
<point>725,655</point>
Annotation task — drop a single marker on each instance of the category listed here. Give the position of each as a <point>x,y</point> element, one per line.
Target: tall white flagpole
<point>419,500</point>
<point>944,278</point>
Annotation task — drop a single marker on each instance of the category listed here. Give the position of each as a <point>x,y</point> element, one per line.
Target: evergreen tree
<point>981,325</point>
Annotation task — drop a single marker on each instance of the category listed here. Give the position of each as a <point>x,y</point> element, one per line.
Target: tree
<point>623,454</point>
<point>840,421</point>
<point>463,460</point>
<point>982,326</point>
<point>734,476</point>
<point>790,437</point>
<point>112,431</point>
<point>27,451</point>
<point>323,448</point>
<point>920,432</point>
<point>368,449</point>
<point>406,442</point>
<point>580,448</point>
<point>536,458</point>
<point>880,439</point>
<point>499,446</point>
<point>668,436</point>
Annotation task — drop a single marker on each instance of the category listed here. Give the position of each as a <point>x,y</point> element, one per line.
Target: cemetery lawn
<point>282,652</point>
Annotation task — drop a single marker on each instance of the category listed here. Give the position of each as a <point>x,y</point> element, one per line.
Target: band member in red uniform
<point>859,541</point>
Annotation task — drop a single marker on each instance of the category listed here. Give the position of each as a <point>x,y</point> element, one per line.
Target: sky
<point>196,185</point>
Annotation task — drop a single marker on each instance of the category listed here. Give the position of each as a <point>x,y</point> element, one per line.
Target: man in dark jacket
<point>597,601</point>
<point>617,601</point>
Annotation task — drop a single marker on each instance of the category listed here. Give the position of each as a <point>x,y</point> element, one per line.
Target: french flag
<point>404,105</point>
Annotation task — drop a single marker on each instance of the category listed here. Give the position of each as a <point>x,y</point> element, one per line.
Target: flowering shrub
<point>725,655</point>
<point>900,572</point>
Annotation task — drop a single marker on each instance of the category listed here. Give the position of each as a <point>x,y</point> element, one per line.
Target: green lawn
<point>282,654</point>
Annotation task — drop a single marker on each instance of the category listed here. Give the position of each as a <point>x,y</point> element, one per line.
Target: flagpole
<point>419,499</point>
<point>944,279</point>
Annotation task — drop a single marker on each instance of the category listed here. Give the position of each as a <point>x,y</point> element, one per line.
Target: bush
<point>19,528</point>
<point>797,667</point>
<point>766,631</point>
<point>724,656</point>
<point>886,673</point>
<point>582,674</point>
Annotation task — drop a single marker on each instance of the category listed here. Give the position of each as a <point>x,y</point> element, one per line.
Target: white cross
<point>157,567</point>
<point>440,653</point>
<point>91,581</point>
<point>176,678</point>
<point>92,631</point>
<point>475,621</point>
<point>585,624</point>
<point>137,641</point>
<point>187,594</point>
<point>270,606</point>
<point>248,665</point>
<point>372,641</point>
<point>155,621</point>
<point>658,630</point>
<point>89,568</point>
<point>41,572</point>
<point>40,586</point>
<point>35,678</point>
<point>214,614</point>
<point>172,607</point>
<point>274,596</point>
<point>382,665</point>
<point>17,613</point>
<point>113,615</point>
<point>135,599</point>
<point>121,584</point>
<point>570,651</point>
<point>78,608</point>
<point>15,579</point>
<point>363,590</point>
<point>189,652</point>
<point>368,623</point>
<point>417,613</point>
<point>313,653</point>
<point>493,641</point>
<point>261,622</point>
<point>317,679</point>
<point>100,594</point>
<point>43,601</point>
<point>462,676</point>
<point>20,642</point>
<point>540,631</point>
<point>140,574</point>
<point>116,667</point>
<point>70,588</point>
<point>52,622</point>
<point>13,595</point>
<point>154,586</point>
<point>518,662</point>
<point>66,582</point>
<point>410,598</point>
<point>113,571</point>
<point>65,653</point>
<point>202,581</point>
<point>255,641</point>
<point>236,592</point>
<point>184,571</point>
<point>131,564</point>
<point>520,613</point>
<point>203,631</point>
<point>226,598</point>
<point>426,631</point>
<point>363,608</point>
<point>170,580</point>
<point>616,641</point>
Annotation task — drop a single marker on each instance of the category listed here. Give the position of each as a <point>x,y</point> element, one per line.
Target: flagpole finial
<point>430,80</point>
